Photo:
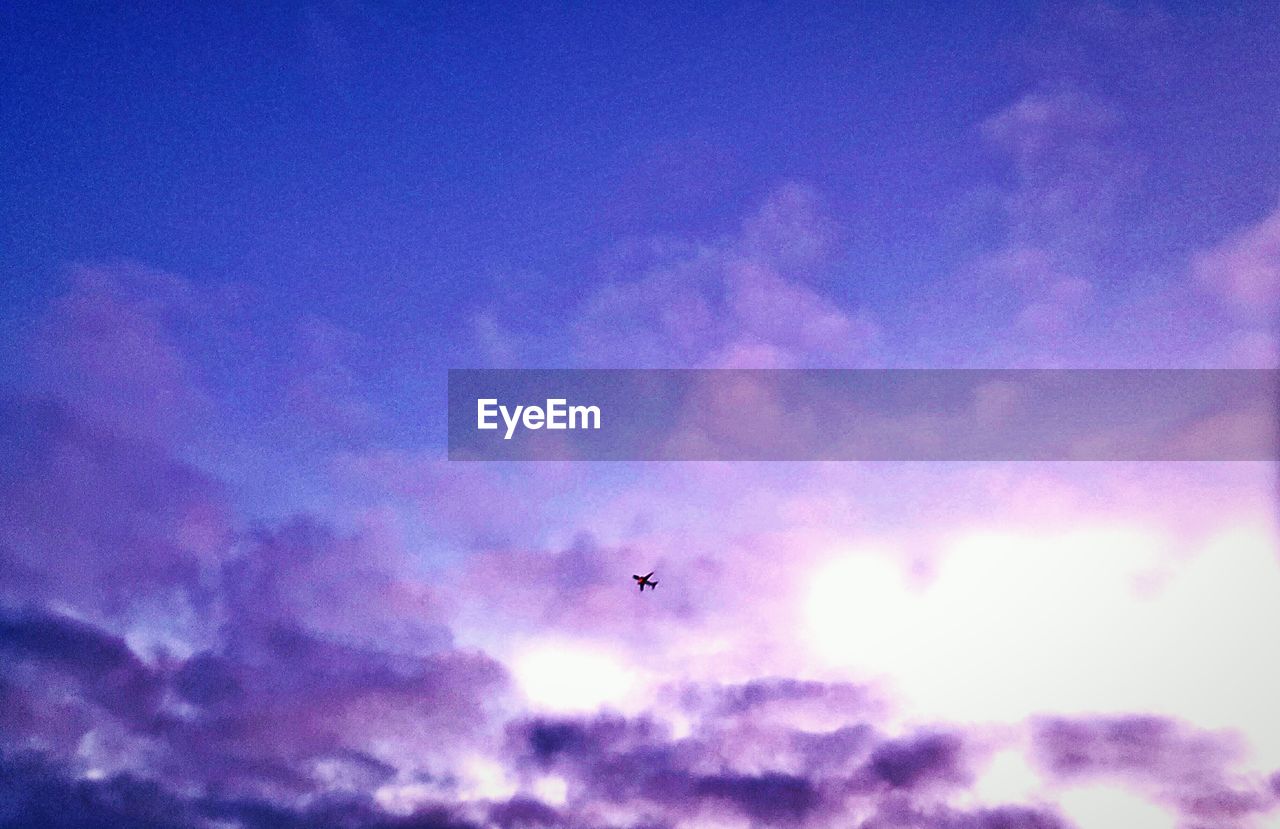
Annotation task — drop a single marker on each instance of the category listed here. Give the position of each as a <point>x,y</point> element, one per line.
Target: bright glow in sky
<point>1093,620</point>
<point>565,676</point>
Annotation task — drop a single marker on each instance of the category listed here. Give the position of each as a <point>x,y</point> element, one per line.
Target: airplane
<point>644,580</point>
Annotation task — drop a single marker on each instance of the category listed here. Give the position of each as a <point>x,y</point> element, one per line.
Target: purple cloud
<point>749,301</point>
<point>771,797</point>
<point>1128,745</point>
<point>1244,269</point>
<point>100,666</point>
<point>899,814</point>
<point>83,507</point>
<point>924,759</point>
<point>37,794</point>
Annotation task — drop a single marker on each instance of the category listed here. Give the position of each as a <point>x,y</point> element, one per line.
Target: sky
<point>241,586</point>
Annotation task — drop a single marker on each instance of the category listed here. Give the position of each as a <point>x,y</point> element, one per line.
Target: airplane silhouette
<point>644,580</point>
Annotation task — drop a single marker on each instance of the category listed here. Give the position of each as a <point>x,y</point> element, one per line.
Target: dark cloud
<point>247,745</point>
<point>918,760</point>
<point>100,664</point>
<point>637,760</point>
<point>277,709</point>
<point>207,679</point>
<point>619,760</point>
<point>902,814</point>
<point>637,763</point>
<point>1005,817</point>
<point>259,718</point>
<point>525,813</point>
<point>552,742</point>
<point>772,797</point>
<point>36,794</point>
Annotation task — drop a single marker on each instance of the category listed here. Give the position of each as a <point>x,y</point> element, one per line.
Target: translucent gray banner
<point>863,415</point>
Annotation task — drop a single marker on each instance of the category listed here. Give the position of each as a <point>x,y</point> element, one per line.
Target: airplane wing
<point>649,576</point>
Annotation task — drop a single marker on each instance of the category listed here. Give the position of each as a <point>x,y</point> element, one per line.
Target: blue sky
<point>361,161</point>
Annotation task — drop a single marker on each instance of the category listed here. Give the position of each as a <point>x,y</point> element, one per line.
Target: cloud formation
<point>748,301</point>
<point>1244,269</point>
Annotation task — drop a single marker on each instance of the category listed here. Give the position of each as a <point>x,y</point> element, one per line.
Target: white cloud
<point>1244,269</point>
<point>747,301</point>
